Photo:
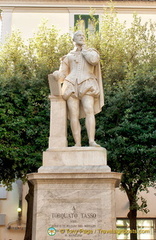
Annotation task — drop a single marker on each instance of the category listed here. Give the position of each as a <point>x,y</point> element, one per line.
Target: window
<point>2,219</point>
<point>87,22</point>
<point>145,229</point>
<point>3,192</point>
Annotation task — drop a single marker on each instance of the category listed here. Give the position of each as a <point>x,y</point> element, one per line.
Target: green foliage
<point>24,110</point>
<point>14,58</point>
<point>131,132</point>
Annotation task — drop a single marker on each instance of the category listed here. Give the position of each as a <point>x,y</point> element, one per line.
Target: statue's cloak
<point>99,101</point>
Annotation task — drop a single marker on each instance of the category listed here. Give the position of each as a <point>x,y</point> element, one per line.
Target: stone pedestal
<point>74,195</point>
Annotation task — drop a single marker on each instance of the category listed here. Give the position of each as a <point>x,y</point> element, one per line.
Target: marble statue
<point>82,88</point>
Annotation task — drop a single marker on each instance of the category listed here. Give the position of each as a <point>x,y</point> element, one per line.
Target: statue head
<point>79,38</point>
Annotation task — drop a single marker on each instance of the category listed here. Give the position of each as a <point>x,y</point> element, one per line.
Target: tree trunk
<point>132,215</point>
<point>29,197</point>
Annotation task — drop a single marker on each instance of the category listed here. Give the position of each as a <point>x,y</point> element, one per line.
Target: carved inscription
<point>74,225</point>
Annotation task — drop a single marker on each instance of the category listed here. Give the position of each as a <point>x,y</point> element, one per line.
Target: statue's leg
<point>88,107</point>
<point>73,107</point>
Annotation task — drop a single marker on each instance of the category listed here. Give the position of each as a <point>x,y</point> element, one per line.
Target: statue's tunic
<point>80,73</point>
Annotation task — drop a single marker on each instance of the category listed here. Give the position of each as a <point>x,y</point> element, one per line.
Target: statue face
<point>79,38</point>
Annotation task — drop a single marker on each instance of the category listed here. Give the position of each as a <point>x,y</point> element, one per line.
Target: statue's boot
<point>94,144</point>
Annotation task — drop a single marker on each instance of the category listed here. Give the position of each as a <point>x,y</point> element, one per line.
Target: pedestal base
<point>76,159</point>
<point>74,197</point>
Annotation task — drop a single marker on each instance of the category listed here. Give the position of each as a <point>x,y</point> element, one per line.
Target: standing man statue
<point>82,87</point>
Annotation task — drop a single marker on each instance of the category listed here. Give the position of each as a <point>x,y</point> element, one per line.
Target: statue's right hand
<point>56,75</point>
